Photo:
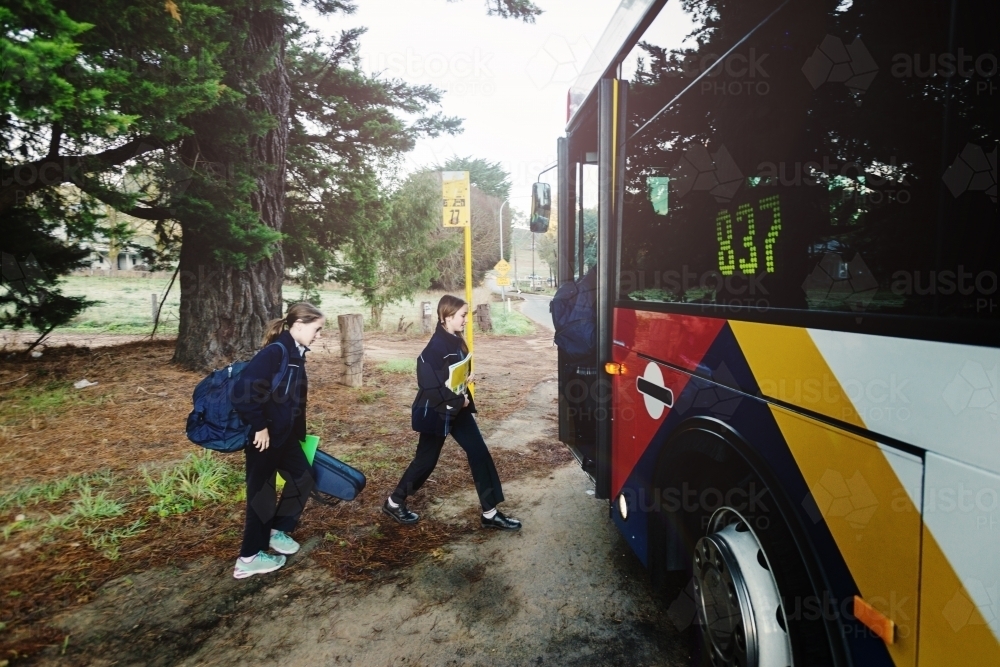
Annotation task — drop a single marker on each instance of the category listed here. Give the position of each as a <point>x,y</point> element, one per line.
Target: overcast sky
<point>507,79</point>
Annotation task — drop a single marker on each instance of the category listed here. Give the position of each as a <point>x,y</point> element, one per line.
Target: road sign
<point>503,281</point>
<point>502,267</point>
<point>455,198</point>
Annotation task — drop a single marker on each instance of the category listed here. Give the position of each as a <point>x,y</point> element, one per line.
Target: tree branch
<point>54,141</point>
<point>20,180</point>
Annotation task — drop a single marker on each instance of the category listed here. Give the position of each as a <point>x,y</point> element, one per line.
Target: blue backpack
<point>574,316</point>
<point>214,423</point>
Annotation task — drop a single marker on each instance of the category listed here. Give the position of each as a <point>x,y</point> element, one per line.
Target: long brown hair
<point>300,311</point>
<point>448,306</point>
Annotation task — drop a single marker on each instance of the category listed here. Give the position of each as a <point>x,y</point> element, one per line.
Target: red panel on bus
<point>677,339</point>
<point>681,340</point>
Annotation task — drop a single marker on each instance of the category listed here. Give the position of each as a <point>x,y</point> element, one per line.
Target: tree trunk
<point>224,309</point>
<point>352,348</point>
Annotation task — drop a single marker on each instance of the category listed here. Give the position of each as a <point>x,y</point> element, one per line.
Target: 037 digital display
<point>747,219</point>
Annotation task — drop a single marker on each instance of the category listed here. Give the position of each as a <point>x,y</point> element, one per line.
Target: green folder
<point>309,446</point>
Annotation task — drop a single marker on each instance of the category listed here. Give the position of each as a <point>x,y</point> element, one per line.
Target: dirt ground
<point>363,590</point>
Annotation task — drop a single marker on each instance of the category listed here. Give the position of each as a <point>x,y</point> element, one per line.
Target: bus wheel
<point>737,598</point>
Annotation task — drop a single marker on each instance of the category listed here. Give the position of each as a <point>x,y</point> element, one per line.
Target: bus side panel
<point>960,601</point>
<point>855,490</point>
<point>684,338</point>
<point>844,472</point>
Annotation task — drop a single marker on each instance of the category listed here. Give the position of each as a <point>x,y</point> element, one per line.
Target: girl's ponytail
<point>274,329</point>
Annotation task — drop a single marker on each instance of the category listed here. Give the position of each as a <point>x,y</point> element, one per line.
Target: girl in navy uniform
<point>439,412</point>
<point>278,424</point>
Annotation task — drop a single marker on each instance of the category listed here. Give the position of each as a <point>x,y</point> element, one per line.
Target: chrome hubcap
<point>739,606</point>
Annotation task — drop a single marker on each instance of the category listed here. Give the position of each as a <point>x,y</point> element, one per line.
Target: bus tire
<point>746,577</point>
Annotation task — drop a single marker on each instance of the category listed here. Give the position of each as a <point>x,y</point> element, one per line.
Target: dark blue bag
<point>574,317</point>
<point>214,423</point>
<point>335,478</point>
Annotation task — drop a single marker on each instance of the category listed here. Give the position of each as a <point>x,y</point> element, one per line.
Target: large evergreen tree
<point>188,111</point>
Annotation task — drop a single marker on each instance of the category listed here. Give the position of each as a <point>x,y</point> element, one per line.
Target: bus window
<point>585,244</point>
<point>817,166</point>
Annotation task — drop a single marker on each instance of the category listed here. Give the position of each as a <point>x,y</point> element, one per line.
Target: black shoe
<point>400,514</point>
<point>499,521</point>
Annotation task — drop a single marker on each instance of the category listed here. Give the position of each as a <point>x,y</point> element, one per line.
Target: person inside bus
<point>574,318</point>
<point>438,412</point>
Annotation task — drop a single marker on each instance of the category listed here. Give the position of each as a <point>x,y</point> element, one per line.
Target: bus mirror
<point>541,207</point>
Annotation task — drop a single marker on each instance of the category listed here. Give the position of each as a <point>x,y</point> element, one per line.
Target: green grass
<point>125,306</point>
<point>400,366</point>
<point>94,507</point>
<point>198,480</point>
<point>108,542</point>
<point>52,491</point>
<point>27,402</point>
<point>367,397</point>
<point>509,324</point>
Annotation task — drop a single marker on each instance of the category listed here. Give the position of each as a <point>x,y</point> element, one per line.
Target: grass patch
<point>94,507</point>
<point>400,366</point>
<point>108,542</point>
<point>92,513</point>
<point>369,397</point>
<point>27,403</point>
<point>509,324</point>
<point>198,480</point>
<point>123,305</point>
<point>52,491</point>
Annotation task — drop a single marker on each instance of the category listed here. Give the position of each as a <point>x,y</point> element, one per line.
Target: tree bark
<point>224,309</point>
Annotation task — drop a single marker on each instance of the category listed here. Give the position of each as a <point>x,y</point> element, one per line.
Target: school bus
<point>791,207</point>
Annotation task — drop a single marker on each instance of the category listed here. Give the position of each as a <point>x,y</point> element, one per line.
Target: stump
<point>483,319</point>
<point>426,317</point>
<point>352,348</point>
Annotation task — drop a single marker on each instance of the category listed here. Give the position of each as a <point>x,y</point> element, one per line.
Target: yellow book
<point>458,373</point>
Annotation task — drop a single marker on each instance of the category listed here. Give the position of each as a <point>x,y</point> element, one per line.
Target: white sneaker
<point>283,544</point>
<point>262,563</point>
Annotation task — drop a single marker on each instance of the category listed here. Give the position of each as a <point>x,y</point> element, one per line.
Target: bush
<point>509,324</point>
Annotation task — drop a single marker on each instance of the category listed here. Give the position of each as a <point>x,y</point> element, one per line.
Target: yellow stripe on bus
<point>788,367</point>
<point>853,487</point>
<point>871,517</point>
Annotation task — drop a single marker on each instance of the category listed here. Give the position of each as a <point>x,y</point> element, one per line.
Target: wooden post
<point>352,348</point>
<point>426,317</point>
<point>483,318</point>
<point>155,301</point>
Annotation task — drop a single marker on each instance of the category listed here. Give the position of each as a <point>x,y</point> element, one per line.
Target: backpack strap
<point>276,380</point>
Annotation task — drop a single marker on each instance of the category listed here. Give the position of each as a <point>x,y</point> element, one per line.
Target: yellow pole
<point>468,296</point>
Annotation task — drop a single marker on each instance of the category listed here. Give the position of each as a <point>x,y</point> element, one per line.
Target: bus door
<point>577,239</point>
<point>588,175</point>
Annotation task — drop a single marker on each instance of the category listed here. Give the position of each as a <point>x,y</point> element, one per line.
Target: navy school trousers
<point>465,430</point>
<point>264,512</point>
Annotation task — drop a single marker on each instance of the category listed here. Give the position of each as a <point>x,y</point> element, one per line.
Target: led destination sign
<point>749,261</point>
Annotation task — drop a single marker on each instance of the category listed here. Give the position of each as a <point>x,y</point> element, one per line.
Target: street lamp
<point>503,292</point>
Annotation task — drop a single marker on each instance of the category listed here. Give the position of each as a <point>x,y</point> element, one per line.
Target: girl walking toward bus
<point>278,424</point>
<point>438,412</point>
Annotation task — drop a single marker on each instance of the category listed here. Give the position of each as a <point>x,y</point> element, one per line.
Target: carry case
<point>336,479</point>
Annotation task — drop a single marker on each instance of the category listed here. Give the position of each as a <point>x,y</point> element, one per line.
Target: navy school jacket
<point>435,407</point>
<point>284,411</point>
